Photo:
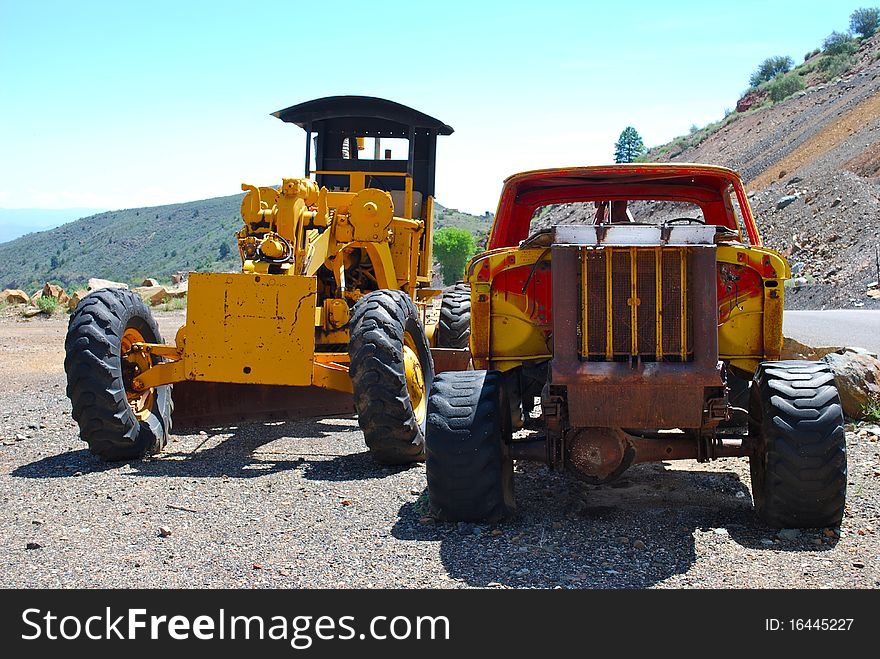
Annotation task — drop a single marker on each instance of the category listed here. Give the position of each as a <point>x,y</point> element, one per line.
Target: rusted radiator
<point>636,302</point>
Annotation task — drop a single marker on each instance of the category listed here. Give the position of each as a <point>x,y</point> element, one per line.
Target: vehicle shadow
<point>235,452</point>
<point>634,533</point>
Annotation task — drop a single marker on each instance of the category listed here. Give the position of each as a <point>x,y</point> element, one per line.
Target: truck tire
<point>391,373</point>
<point>454,326</point>
<point>116,423</point>
<point>469,470</point>
<point>798,464</point>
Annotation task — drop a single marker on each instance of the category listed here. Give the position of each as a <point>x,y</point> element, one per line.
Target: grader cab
<point>330,310</point>
<point>645,324</point>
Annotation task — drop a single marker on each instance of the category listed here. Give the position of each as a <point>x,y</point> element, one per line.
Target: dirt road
<point>302,505</point>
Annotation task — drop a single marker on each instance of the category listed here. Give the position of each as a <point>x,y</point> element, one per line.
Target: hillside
<point>129,245</point>
<point>811,164</point>
<point>451,217</point>
<point>822,147</point>
<point>125,245</point>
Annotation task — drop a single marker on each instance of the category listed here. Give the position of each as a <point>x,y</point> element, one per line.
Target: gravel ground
<point>302,505</point>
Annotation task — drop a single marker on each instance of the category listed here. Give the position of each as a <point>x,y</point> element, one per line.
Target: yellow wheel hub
<point>415,380</point>
<point>135,362</point>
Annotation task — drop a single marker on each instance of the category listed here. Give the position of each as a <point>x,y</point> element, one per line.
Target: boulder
<point>794,349</point>
<point>31,311</point>
<point>782,202</point>
<point>148,293</point>
<point>36,296</point>
<point>149,281</point>
<point>857,374</point>
<point>96,284</point>
<point>158,294</point>
<point>178,291</point>
<point>51,290</point>
<point>14,296</point>
<point>75,299</point>
<point>750,100</point>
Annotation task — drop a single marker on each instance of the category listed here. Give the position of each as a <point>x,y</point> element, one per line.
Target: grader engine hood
<point>250,329</point>
<point>636,340</point>
<point>250,351</point>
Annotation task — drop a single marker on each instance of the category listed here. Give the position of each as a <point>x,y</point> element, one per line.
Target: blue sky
<point>125,104</point>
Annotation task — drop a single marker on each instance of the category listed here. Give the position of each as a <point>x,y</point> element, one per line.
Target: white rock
<point>97,284</point>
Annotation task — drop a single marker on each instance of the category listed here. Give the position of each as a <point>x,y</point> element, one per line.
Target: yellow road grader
<point>330,308</point>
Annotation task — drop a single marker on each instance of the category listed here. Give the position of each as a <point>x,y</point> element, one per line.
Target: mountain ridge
<point>130,245</point>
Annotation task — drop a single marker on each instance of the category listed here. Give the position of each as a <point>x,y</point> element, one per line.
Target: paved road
<point>835,327</point>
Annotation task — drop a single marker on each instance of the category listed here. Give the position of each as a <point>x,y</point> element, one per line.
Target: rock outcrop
<point>97,284</point>
<point>857,374</point>
<point>14,296</point>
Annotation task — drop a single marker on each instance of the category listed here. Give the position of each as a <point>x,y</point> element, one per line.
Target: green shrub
<point>48,305</point>
<point>812,53</point>
<point>805,69</point>
<point>871,411</point>
<point>769,68</point>
<point>865,22</point>
<point>781,87</point>
<point>838,43</point>
<point>173,304</point>
<point>833,66</point>
<point>453,248</point>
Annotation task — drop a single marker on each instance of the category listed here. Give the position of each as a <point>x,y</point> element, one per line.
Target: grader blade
<point>218,404</point>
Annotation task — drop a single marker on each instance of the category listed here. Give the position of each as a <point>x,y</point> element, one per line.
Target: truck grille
<point>635,302</point>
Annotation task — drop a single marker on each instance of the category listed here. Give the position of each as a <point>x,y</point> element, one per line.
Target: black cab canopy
<point>339,121</point>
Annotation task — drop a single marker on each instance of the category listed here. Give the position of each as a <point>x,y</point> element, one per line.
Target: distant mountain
<point>130,245</point>
<point>15,222</point>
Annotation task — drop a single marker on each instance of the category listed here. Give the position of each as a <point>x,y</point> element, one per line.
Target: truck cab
<point>634,315</point>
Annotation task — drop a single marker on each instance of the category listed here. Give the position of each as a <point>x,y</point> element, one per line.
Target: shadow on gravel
<point>633,533</point>
<point>231,453</point>
<point>64,465</point>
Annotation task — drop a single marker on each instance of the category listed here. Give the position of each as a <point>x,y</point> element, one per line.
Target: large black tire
<point>454,326</point>
<point>469,470</point>
<point>96,381</point>
<point>798,464</point>
<point>392,419</point>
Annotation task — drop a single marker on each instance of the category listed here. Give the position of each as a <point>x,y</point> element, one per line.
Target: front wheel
<point>391,373</point>
<point>116,422</point>
<point>798,463</point>
<point>469,469</point>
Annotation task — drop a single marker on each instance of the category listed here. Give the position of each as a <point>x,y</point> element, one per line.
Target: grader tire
<point>798,466</point>
<point>96,379</point>
<point>469,471</point>
<point>391,373</point>
<point>454,327</point>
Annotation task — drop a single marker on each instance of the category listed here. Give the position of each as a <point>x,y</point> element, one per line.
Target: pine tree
<point>629,146</point>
